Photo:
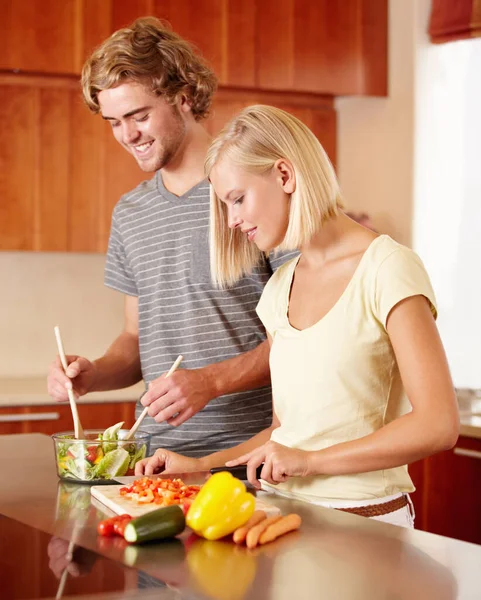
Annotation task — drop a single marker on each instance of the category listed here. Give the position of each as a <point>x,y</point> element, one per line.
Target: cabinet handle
<point>465,452</point>
<point>14,418</point>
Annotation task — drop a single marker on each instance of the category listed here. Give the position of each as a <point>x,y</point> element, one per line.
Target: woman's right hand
<point>165,461</point>
<point>80,376</point>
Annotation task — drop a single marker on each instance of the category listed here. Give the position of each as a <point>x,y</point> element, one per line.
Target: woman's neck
<point>336,238</point>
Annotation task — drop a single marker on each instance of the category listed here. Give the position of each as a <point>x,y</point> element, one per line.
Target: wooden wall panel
<point>201,22</point>
<point>53,153</point>
<point>123,13</point>
<point>324,47</point>
<point>94,23</point>
<point>241,44</point>
<point>275,44</point>
<point>86,178</point>
<point>317,112</point>
<point>39,35</point>
<point>17,166</point>
<point>325,61</point>
<point>374,60</point>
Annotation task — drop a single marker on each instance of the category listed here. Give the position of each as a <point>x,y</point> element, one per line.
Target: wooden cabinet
<point>448,498</point>
<point>57,194</point>
<point>62,172</point>
<point>452,484</point>
<point>324,47</point>
<point>78,171</point>
<point>54,418</point>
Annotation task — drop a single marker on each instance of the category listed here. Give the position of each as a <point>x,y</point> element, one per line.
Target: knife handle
<point>240,471</point>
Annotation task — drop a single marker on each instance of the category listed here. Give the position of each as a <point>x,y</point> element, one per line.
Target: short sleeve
<point>265,308</point>
<point>118,274</point>
<point>272,306</point>
<point>401,275</point>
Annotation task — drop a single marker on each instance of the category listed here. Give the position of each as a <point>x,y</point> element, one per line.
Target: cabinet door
<point>54,418</point>
<point>35,419</point>
<point>101,416</point>
<point>453,492</point>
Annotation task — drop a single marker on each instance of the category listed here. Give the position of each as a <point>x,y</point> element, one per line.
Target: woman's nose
<point>234,222</point>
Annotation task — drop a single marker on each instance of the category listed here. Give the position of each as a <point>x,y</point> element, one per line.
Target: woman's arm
<point>431,426</point>
<point>433,423</point>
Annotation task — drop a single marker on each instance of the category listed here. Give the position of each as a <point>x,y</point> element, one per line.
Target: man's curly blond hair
<point>149,52</point>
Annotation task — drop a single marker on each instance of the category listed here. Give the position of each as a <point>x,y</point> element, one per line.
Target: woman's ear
<point>286,175</point>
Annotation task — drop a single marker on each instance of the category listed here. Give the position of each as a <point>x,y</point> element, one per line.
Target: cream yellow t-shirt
<point>338,380</point>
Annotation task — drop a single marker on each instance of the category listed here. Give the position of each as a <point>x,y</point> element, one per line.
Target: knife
<point>239,471</point>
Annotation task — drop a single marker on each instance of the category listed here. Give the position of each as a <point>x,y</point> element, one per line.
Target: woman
<point>351,321</point>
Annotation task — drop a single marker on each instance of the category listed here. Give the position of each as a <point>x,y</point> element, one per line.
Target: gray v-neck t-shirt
<point>159,252</point>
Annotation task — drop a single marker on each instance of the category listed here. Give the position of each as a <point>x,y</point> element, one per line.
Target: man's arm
<point>244,372</point>
<point>187,391</point>
<point>119,367</point>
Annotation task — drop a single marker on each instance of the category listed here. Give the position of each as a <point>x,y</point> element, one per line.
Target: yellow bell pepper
<point>222,505</point>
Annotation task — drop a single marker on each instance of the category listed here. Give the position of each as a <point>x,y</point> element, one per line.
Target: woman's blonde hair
<point>254,140</point>
<point>149,52</point>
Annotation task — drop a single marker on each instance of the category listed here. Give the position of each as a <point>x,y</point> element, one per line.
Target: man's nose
<point>129,133</point>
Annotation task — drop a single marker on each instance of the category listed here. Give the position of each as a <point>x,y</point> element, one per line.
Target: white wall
<point>41,290</point>
<point>447,193</point>
<point>376,135</point>
<point>412,161</point>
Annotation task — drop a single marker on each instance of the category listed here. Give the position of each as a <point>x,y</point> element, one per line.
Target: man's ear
<point>184,104</point>
<point>286,175</point>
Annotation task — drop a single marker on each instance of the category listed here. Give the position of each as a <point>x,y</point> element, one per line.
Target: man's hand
<point>179,397</point>
<point>80,377</point>
<point>280,463</point>
<point>59,559</point>
<point>165,461</point>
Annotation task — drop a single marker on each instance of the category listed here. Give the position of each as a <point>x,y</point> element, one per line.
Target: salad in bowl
<point>101,455</point>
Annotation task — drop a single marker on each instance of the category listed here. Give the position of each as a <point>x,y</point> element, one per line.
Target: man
<point>154,91</point>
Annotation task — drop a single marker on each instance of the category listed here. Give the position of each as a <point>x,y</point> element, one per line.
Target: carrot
<point>241,533</point>
<point>284,525</point>
<point>255,532</point>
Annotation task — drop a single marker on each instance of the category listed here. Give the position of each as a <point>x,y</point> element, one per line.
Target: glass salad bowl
<point>100,456</point>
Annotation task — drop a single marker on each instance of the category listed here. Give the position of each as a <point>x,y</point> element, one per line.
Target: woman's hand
<point>165,461</point>
<point>280,463</point>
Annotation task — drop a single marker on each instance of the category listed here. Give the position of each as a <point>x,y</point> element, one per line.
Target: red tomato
<point>122,524</point>
<point>91,453</point>
<point>106,528</point>
<point>119,524</point>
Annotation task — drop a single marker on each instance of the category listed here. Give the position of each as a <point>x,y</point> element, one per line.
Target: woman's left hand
<point>280,463</point>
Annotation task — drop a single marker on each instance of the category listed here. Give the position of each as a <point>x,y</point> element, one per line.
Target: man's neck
<point>187,169</point>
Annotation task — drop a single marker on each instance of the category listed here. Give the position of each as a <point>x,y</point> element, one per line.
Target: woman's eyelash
<point>238,201</point>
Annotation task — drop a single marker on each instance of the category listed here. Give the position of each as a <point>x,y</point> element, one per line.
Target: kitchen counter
<point>32,391</point>
<point>334,555</point>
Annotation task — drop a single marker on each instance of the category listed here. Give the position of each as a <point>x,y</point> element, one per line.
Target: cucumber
<point>158,524</point>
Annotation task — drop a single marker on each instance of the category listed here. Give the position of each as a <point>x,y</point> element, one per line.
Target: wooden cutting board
<point>110,496</point>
